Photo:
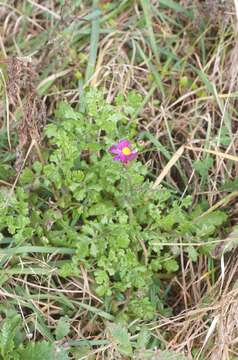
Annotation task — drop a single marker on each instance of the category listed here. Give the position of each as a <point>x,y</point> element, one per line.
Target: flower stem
<point>128,189</point>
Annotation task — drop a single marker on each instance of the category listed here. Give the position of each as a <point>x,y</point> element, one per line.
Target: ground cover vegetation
<point>118,216</point>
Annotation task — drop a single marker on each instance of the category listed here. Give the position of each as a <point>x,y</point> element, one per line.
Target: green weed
<point>124,233</point>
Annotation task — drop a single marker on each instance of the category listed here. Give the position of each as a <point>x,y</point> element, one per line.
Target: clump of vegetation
<point>125,234</point>
<point>118,216</point>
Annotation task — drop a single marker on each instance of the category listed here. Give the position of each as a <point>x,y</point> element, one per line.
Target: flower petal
<point>123,158</point>
<point>117,158</point>
<point>113,149</point>
<point>132,156</point>
<point>123,143</point>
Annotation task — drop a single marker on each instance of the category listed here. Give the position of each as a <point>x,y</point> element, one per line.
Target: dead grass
<point>210,326</point>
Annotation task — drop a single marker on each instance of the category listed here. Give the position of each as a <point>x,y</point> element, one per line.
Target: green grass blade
<point>36,249</point>
<point>174,5</point>
<point>28,271</point>
<point>96,311</point>
<point>88,342</point>
<point>147,135</point>
<point>152,68</point>
<point>146,99</point>
<point>94,41</point>
<point>148,19</point>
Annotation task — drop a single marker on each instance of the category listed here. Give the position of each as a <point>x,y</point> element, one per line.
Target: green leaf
<point>143,338</point>
<point>37,166</point>
<point>43,350</point>
<point>224,136</point>
<point>192,253</point>
<point>230,185</point>
<point>134,100</point>
<point>51,130</point>
<point>65,111</point>
<point>38,351</point>
<point>171,265</point>
<point>7,334</point>
<point>121,337</point>
<point>62,328</point>
<point>27,176</point>
<point>216,218</point>
<point>203,166</point>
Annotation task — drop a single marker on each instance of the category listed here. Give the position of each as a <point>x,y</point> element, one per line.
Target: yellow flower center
<point>126,151</point>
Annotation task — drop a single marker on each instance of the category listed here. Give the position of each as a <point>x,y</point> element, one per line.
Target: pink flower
<point>123,152</point>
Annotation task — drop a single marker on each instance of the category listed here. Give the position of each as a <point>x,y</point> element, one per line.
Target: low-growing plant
<point>12,348</point>
<point>125,233</point>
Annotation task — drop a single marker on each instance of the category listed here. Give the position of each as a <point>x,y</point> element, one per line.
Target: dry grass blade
<point>50,79</point>
<point>210,332</point>
<point>221,203</point>
<point>7,111</point>
<point>168,166</point>
<point>213,152</point>
<point>44,8</point>
<point>236,7</point>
